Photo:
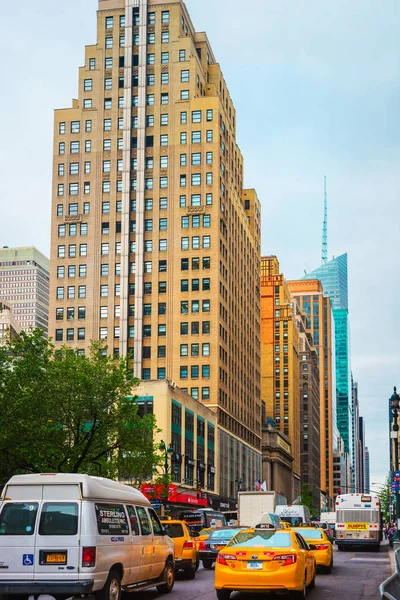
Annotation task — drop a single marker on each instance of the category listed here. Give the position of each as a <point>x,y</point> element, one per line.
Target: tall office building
<point>367,471</point>
<point>317,307</point>
<point>356,443</point>
<point>24,284</point>
<point>310,411</point>
<point>280,375</point>
<point>333,276</point>
<point>155,243</point>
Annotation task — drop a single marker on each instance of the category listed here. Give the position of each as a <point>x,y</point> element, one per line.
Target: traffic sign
<point>396,474</point>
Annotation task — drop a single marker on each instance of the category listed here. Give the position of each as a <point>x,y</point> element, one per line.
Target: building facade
<point>310,411</point>
<point>342,476</point>
<point>9,327</point>
<point>280,377</point>
<point>24,284</point>
<point>367,471</point>
<point>316,306</point>
<point>277,461</point>
<point>334,278</point>
<point>155,243</point>
<point>191,429</point>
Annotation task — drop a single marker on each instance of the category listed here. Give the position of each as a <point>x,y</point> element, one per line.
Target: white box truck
<point>252,506</point>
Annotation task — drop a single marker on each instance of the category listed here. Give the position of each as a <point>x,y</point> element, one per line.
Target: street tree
<point>64,412</point>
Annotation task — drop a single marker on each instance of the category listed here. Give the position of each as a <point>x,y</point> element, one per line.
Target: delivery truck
<point>253,505</point>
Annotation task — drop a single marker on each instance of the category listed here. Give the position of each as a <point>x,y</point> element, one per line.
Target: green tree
<point>63,412</point>
<point>307,500</point>
<point>386,498</point>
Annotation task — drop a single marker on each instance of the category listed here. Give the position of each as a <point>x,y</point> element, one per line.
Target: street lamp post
<point>395,403</point>
<point>168,453</point>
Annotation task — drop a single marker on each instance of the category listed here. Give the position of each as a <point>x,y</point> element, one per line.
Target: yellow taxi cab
<point>185,550</point>
<point>323,547</point>
<point>265,560</point>
<point>203,535</point>
<point>285,525</point>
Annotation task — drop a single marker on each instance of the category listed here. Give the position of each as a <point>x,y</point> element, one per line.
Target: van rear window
<point>111,519</point>
<point>59,518</point>
<point>18,518</point>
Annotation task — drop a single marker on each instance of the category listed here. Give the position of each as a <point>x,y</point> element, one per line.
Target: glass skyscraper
<point>333,276</point>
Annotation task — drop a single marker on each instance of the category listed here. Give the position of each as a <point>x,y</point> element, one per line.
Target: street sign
<point>390,508</point>
<point>396,474</point>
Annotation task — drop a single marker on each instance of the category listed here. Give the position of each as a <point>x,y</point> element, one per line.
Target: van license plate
<point>56,559</point>
<point>256,566</point>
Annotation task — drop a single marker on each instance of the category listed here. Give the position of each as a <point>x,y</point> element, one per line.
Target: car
<point>327,528</point>
<point>217,539</point>
<point>185,550</point>
<point>265,560</point>
<point>203,535</point>
<point>323,547</point>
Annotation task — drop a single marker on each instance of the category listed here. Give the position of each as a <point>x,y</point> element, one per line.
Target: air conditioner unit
<point>172,384</point>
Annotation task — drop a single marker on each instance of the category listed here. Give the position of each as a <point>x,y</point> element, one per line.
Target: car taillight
<point>222,558</point>
<point>287,559</point>
<point>202,546</point>
<point>188,544</point>
<point>89,556</point>
<point>322,546</point>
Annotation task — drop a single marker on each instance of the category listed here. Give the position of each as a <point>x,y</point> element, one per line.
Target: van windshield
<point>293,521</point>
<point>18,518</point>
<point>59,518</point>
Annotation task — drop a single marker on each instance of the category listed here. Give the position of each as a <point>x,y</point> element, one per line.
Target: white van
<point>294,514</point>
<point>70,535</point>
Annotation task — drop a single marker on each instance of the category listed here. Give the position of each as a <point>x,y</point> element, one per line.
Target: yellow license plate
<point>356,526</point>
<point>56,558</point>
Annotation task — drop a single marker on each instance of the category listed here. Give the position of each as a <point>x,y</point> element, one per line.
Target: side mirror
<point>312,546</point>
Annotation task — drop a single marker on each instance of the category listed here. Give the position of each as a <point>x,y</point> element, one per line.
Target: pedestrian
<point>391,532</point>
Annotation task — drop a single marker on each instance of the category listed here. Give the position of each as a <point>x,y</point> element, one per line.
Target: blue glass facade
<point>333,276</point>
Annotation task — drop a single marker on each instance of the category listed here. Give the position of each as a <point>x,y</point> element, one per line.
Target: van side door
<point>160,546</point>
<point>146,569</point>
<point>136,545</point>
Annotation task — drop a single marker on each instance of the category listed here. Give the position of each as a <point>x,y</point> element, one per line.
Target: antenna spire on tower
<point>325,228</point>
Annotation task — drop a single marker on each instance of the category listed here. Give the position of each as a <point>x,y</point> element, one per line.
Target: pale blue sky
<point>316,88</point>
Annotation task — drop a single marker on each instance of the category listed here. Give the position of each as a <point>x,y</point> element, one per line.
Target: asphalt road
<point>355,576</point>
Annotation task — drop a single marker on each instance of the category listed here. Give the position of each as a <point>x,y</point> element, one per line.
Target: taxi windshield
<point>266,539</point>
<point>309,534</point>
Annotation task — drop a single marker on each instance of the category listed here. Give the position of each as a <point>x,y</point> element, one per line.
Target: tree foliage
<point>63,412</point>
<point>386,498</point>
<point>306,499</point>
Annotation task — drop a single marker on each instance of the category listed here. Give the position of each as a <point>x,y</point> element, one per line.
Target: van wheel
<point>207,564</point>
<point>112,588</point>
<point>169,577</point>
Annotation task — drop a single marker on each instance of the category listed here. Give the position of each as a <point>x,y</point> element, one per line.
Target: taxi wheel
<point>312,582</point>
<point>223,594</point>
<point>197,562</point>
<point>207,564</point>
<point>169,576</point>
<point>301,594</point>
<point>191,573</point>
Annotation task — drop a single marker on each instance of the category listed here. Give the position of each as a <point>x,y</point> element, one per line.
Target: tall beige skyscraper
<point>24,285</point>
<point>155,243</point>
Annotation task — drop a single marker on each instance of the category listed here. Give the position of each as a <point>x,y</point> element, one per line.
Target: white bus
<point>358,521</point>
